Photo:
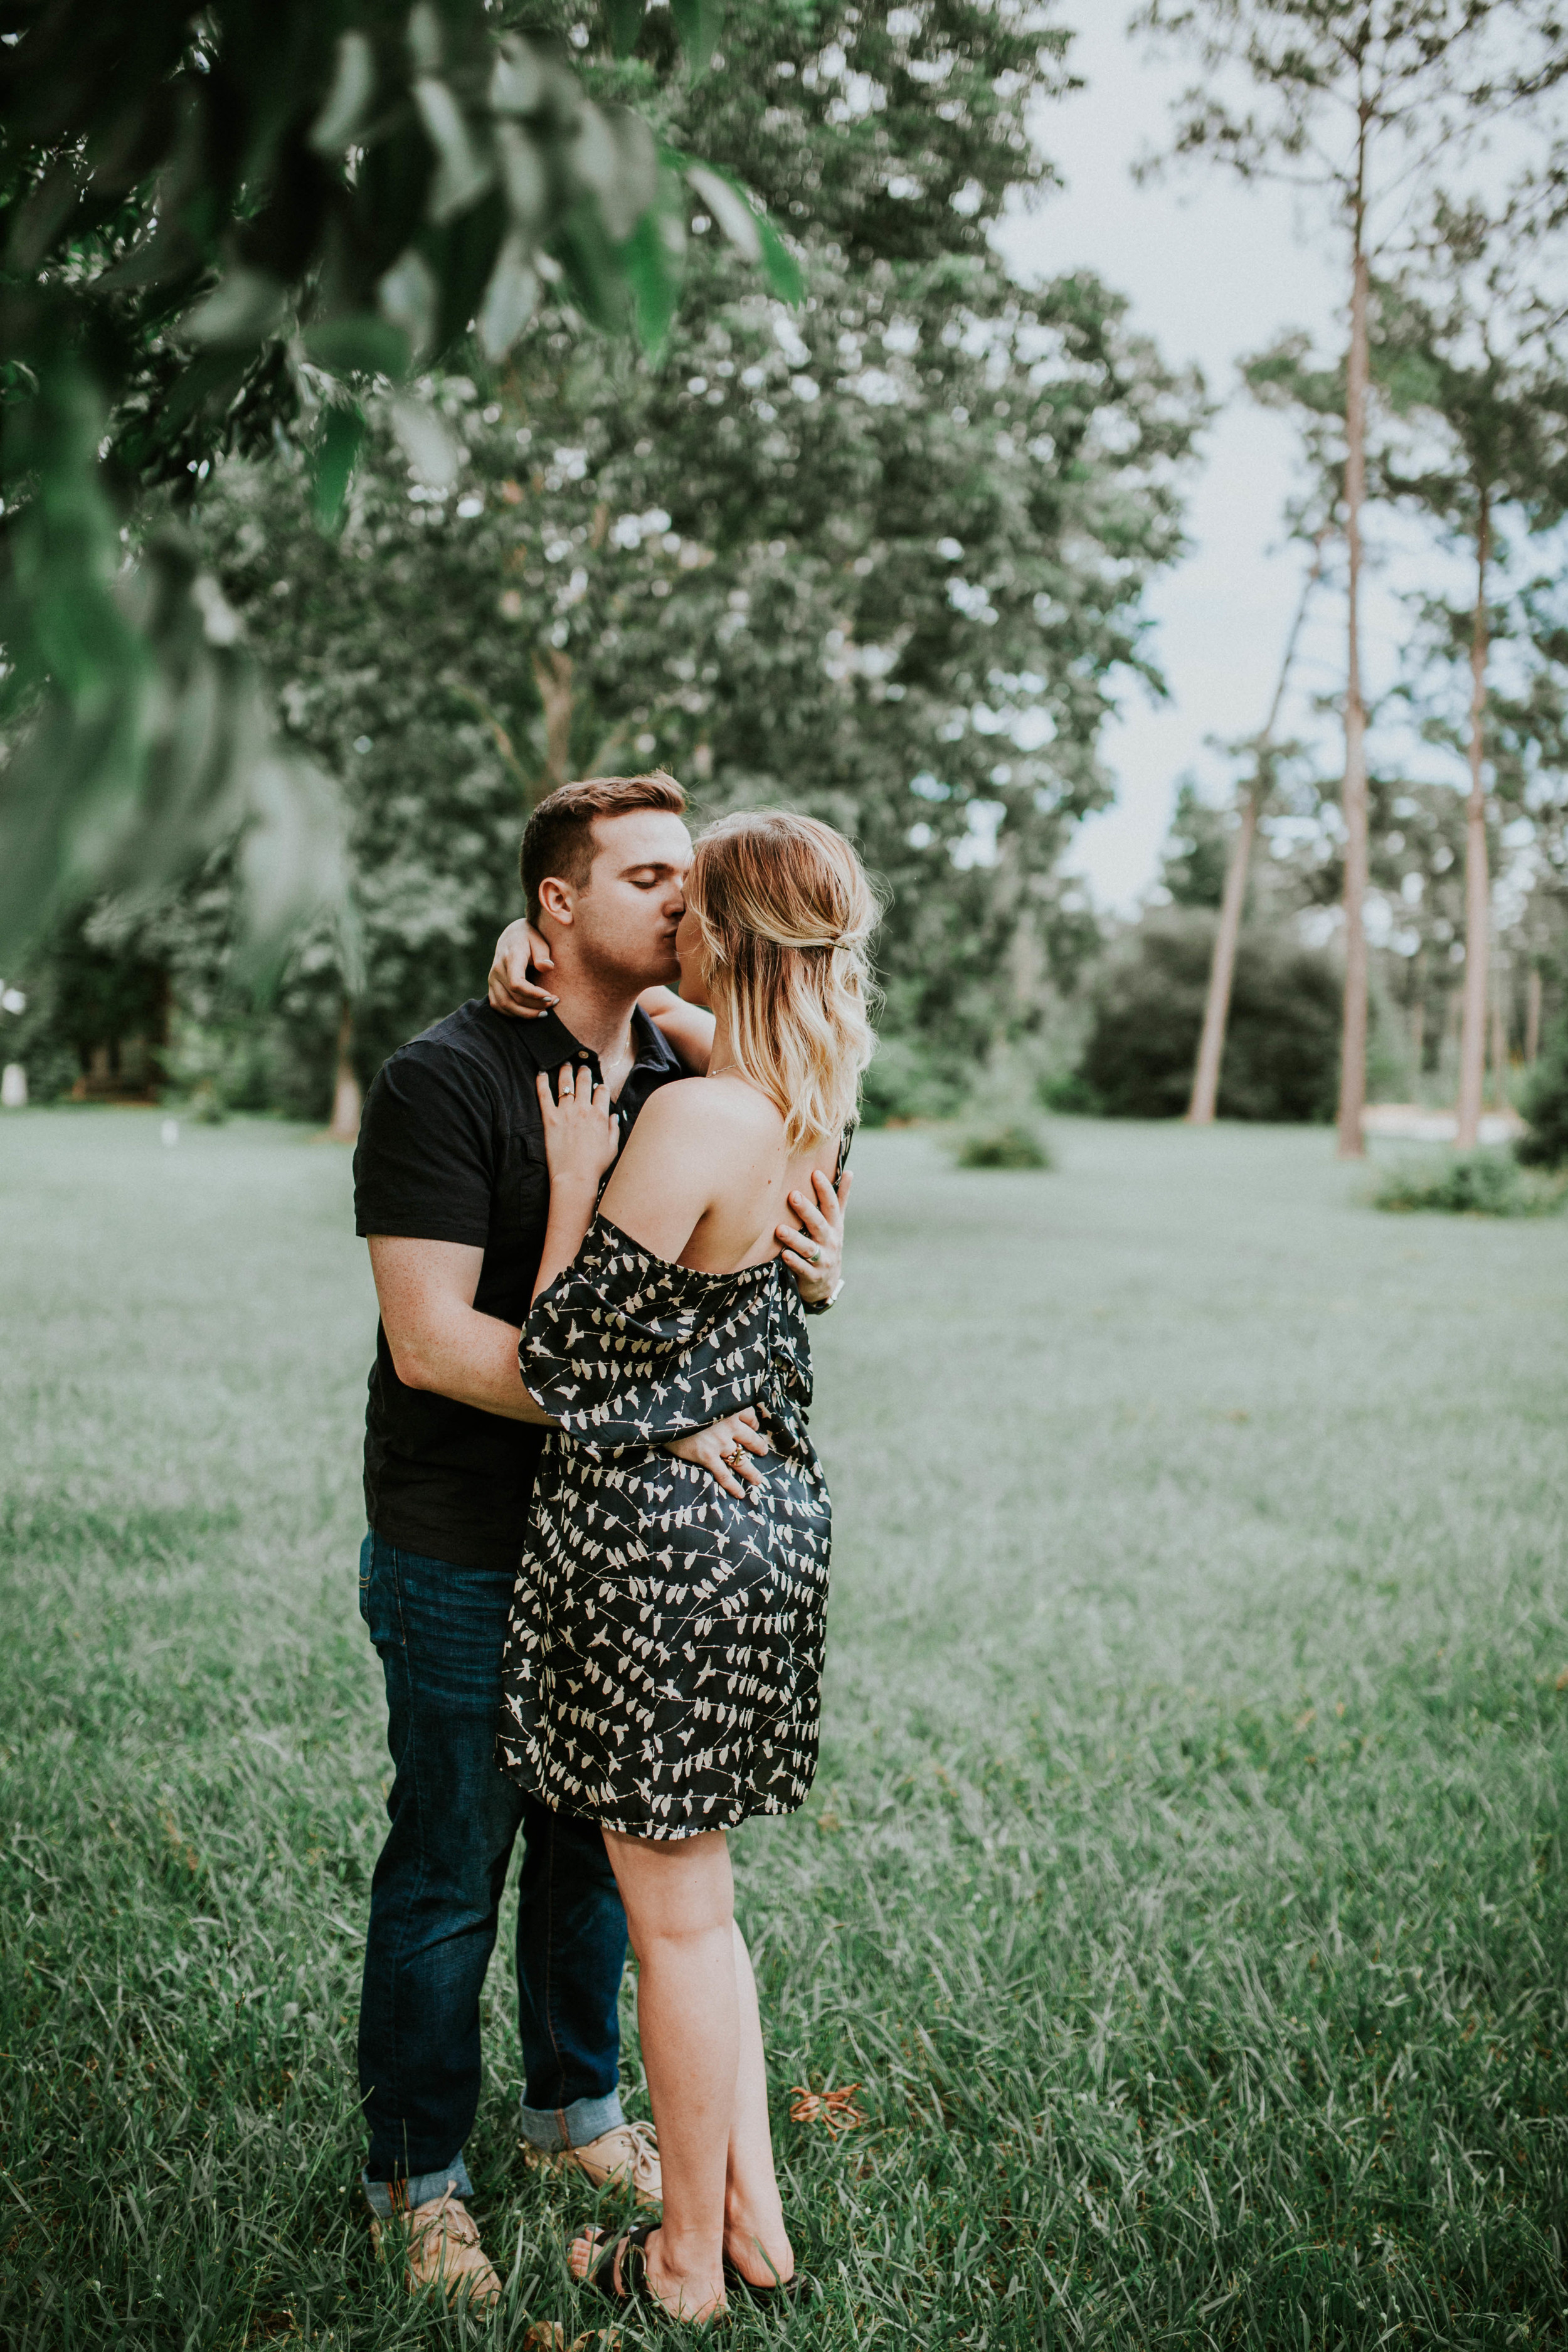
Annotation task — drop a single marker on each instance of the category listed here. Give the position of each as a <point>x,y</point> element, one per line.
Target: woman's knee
<point>675,1892</point>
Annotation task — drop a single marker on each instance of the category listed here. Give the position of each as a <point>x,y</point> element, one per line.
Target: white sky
<point>1215,271</point>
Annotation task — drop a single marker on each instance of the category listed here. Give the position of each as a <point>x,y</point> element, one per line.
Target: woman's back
<point>706,1173</point>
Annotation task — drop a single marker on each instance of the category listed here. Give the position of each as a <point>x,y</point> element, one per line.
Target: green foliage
<point>883,559</point>
<point>1151,1615</point>
<point>1545,1107</point>
<point>1002,1126</point>
<point>1013,1144</point>
<point>1469,1183</point>
<point>221,230</point>
<point>1198,850</point>
<point>1281,1056</point>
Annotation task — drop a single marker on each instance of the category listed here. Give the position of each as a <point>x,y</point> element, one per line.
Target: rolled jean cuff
<point>550,2129</point>
<point>386,2198</point>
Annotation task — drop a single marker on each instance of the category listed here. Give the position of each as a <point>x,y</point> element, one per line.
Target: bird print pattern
<point>665,1643</point>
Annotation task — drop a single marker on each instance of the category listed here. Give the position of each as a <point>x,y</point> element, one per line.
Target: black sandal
<point>633,2286</point>
<point>799,2287</point>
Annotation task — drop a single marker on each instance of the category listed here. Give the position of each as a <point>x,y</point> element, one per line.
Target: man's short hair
<point>559,837</point>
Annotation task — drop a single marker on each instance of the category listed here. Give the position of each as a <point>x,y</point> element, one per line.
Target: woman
<point>666,1641</point>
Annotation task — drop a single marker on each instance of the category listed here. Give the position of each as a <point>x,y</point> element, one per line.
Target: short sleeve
<point>625,1350</point>
<point>425,1165</point>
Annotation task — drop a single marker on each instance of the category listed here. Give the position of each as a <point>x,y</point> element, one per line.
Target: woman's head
<point>778,925</point>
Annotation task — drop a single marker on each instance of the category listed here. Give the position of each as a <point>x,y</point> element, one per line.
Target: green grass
<point>1184,1882</point>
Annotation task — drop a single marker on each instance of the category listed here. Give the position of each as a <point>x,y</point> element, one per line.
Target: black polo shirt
<point>451,1148</point>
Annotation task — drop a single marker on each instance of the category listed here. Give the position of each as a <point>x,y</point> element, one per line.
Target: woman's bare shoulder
<point>687,1106</point>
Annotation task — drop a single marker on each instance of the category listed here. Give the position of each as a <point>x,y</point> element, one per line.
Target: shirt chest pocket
<point>525,1187</point>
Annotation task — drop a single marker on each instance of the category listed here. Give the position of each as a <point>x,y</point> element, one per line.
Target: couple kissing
<point>595,1574</point>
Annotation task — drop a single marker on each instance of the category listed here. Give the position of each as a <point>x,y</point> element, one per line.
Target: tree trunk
<point>1353,1039</point>
<point>553,677</point>
<point>1222,966</point>
<point>1500,1038</point>
<point>1478,882</point>
<point>1532,1017</point>
<point>347,1099</point>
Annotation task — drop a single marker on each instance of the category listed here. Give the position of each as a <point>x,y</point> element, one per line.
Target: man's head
<point>603,864</point>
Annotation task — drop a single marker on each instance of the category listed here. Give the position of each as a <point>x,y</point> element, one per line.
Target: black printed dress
<point>665,1643</point>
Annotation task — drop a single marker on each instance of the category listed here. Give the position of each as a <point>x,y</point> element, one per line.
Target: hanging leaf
<point>626,23</point>
<point>517,78</point>
<point>652,261</point>
<point>510,298</point>
<point>409,297</point>
<point>337,454</point>
<point>523,174</point>
<point>462,173</point>
<point>780,269</point>
<point>365,345</point>
<point>699,23</point>
<point>424,38</point>
<point>293,860</point>
<point>425,442</point>
<point>728,208</point>
<point>348,100</point>
<point>245,307</point>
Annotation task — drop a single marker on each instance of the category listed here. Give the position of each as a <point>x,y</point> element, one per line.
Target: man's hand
<point>723,1449</point>
<point>812,1248</point>
<point>510,989</point>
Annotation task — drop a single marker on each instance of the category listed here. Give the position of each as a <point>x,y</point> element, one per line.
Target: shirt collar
<point>548,1041</point>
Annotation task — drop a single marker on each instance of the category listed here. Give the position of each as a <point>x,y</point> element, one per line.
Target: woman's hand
<point>510,987</point>
<point>724,1449</point>
<point>582,1134</point>
<point>812,1248</point>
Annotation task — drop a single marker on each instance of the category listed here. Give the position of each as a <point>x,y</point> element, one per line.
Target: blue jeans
<point>436,1891</point>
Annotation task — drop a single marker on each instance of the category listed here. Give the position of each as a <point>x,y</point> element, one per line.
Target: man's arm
<point>437,1340</point>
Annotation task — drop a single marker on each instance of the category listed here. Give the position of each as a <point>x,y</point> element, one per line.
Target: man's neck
<point>598,1016</point>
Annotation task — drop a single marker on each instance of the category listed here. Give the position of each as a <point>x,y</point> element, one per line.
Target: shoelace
<point>451,2219</point>
<point>644,2150</point>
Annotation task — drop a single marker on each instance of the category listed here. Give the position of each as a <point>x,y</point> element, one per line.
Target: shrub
<point>1282,1042</point>
<point>1002,1126</point>
<point>1013,1144</point>
<point>1545,1106</point>
<point>1472,1184</point>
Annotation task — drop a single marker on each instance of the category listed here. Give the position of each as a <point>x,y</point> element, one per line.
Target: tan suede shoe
<point>443,2248</point>
<point>626,2158</point>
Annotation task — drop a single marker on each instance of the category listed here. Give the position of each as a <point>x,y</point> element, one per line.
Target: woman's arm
<point>688,1027</point>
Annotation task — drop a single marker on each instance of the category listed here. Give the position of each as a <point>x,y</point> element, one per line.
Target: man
<point>452,1192</point>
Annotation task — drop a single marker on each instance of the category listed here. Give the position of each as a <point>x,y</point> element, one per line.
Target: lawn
<point>1183,1884</point>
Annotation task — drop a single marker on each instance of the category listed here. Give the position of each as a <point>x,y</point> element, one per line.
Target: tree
<point>1198,850</point>
<point>1496,401</point>
<point>882,555</point>
<point>1201,1106</point>
<point>234,222</point>
<point>1365,103</point>
<point>1148,1008</point>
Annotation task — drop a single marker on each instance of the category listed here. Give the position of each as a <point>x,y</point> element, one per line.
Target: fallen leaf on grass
<point>837,2109</point>
<point>1562,1679</point>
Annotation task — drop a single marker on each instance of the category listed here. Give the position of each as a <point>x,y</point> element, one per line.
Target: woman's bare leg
<point>679,1900</point>
<point>756,2238</point>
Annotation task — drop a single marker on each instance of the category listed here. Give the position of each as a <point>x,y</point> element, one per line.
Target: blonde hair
<point>786,916</point>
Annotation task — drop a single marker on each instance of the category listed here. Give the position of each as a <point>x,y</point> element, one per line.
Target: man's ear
<point>556,899</point>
